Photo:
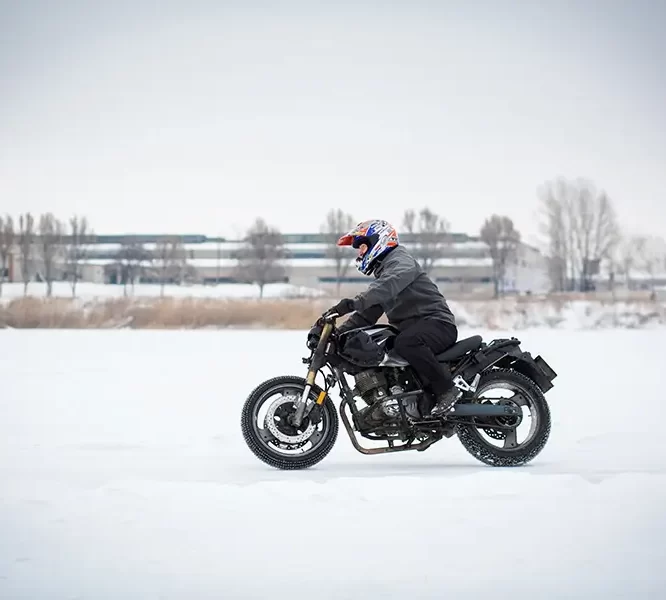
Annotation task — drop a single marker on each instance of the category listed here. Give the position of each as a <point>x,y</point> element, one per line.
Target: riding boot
<point>445,402</point>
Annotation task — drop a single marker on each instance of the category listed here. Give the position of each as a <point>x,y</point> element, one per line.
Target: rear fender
<point>537,369</point>
<point>507,354</point>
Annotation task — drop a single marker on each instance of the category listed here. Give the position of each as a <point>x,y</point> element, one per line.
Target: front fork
<point>312,373</point>
<point>302,403</point>
<point>301,406</point>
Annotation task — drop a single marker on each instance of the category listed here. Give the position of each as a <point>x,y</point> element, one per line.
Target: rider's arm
<point>395,277</point>
<point>364,318</point>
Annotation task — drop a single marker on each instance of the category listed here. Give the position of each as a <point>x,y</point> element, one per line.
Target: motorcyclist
<point>411,301</point>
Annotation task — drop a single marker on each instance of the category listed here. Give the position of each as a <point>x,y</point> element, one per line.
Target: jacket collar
<point>379,267</point>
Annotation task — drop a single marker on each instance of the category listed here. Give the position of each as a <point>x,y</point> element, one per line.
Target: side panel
<point>380,336</point>
<point>378,333</point>
<point>482,360</point>
<point>393,360</point>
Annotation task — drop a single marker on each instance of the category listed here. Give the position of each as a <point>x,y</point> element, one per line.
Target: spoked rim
<point>275,431</point>
<point>509,439</point>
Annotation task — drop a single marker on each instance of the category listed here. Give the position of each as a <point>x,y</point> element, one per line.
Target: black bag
<point>359,349</point>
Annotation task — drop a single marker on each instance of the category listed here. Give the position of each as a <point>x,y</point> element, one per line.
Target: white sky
<point>150,118</point>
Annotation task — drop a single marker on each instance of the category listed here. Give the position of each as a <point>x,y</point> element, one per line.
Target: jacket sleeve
<point>394,278</point>
<point>363,318</point>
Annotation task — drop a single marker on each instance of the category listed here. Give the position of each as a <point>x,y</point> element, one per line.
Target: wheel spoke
<point>266,435</point>
<point>511,440</point>
<point>520,399</point>
<point>316,436</point>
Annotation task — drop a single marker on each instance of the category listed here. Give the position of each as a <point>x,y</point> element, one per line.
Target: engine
<point>372,385</point>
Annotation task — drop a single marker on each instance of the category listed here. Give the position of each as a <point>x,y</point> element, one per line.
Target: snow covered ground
<point>124,476</point>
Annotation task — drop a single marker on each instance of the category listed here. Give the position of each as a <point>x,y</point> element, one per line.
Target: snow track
<point>124,475</point>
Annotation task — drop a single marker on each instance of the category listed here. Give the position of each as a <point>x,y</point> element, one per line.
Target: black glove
<point>345,306</point>
<point>313,336</point>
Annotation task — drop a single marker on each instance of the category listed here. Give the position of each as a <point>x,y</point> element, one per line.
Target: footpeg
<point>461,384</point>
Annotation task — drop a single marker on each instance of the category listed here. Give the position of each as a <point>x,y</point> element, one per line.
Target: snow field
<point>125,475</point>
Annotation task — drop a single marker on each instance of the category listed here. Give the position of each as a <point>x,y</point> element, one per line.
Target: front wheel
<point>496,441</point>
<point>269,433</point>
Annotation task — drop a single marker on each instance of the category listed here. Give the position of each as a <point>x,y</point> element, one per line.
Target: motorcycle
<point>389,405</point>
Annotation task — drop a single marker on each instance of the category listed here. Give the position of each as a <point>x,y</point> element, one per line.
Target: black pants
<point>420,343</point>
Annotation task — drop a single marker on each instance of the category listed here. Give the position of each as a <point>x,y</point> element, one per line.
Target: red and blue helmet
<point>380,237</point>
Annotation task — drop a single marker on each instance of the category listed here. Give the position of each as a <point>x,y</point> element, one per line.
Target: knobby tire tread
<point>497,457</point>
<point>272,459</point>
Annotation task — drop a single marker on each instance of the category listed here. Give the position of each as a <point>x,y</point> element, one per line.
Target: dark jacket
<point>403,291</point>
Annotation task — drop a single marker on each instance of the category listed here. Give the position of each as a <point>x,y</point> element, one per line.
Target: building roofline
<point>194,238</point>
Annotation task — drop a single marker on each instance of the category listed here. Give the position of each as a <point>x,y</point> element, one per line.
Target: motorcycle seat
<point>461,348</point>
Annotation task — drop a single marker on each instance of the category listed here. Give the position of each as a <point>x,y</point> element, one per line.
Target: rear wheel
<point>268,432</point>
<point>508,441</point>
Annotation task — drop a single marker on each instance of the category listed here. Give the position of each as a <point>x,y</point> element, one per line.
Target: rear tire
<point>265,449</point>
<point>472,440</point>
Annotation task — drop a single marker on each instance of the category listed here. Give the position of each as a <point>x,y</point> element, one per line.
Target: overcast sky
<point>199,116</point>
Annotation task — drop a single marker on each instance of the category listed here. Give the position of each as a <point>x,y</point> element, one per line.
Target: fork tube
<point>314,367</point>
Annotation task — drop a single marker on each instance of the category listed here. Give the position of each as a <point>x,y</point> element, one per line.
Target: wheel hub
<point>279,422</point>
<point>513,420</point>
<point>508,421</point>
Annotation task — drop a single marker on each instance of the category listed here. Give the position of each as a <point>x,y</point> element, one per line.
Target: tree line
<point>579,233</point>
<point>260,258</point>
<point>583,238</point>
<point>50,249</point>
<point>46,241</point>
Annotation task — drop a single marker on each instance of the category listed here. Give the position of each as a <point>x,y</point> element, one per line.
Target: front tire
<point>278,443</point>
<point>513,454</point>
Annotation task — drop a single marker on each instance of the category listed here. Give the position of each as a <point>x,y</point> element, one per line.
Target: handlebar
<point>322,328</point>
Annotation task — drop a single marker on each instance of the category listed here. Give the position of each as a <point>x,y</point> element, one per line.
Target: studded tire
<point>472,441</point>
<point>270,456</point>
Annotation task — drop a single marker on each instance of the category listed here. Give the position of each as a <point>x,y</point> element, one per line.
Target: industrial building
<point>463,263</point>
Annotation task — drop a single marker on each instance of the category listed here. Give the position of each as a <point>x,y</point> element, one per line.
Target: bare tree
<point>432,232</point>
<point>259,259</point>
<point>582,231</point>
<point>76,249</point>
<point>26,240</point>
<point>556,230</point>
<point>50,245</point>
<point>596,233</point>
<point>625,257</point>
<point>133,259</point>
<point>559,211</point>
<point>218,264</point>
<point>502,238</point>
<point>337,224</point>
<point>7,236</point>
<point>409,220</point>
<point>651,257</point>
<point>171,261</point>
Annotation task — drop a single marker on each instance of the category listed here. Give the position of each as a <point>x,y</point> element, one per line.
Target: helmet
<point>380,237</point>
